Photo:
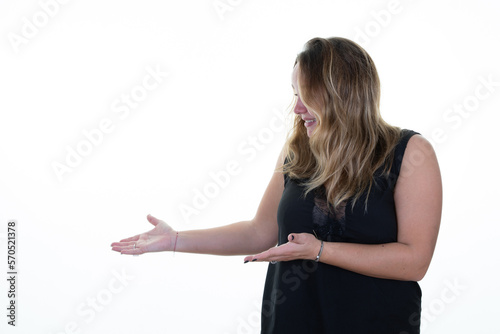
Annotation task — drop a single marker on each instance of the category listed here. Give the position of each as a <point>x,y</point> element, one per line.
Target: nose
<point>300,108</point>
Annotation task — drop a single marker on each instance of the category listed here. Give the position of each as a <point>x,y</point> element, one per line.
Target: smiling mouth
<point>309,122</point>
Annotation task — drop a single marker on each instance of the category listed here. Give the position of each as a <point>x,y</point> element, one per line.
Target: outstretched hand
<point>300,246</point>
<point>159,239</point>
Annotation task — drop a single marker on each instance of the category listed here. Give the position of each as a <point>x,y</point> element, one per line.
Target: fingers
<point>297,247</point>
<point>123,244</point>
<point>264,256</point>
<point>129,245</point>
<point>251,258</point>
<point>131,248</point>
<point>300,238</point>
<point>132,251</point>
<point>303,239</point>
<point>134,238</point>
<point>153,220</point>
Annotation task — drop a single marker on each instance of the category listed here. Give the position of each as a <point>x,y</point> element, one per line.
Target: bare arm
<point>241,238</point>
<point>244,237</point>
<point>418,199</point>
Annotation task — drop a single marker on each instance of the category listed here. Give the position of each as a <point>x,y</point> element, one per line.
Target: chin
<point>310,132</point>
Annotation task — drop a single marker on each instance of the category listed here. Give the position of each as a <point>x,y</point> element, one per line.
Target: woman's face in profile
<point>309,120</point>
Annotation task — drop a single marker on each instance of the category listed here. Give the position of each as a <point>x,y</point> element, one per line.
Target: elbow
<point>263,237</point>
<point>419,271</point>
<point>418,264</point>
<point>415,267</point>
<point>418,275</point>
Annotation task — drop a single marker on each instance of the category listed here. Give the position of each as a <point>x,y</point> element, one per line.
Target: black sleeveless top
<point>304,296</point>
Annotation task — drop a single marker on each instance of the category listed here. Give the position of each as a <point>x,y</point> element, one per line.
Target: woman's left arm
<point>418,200</point>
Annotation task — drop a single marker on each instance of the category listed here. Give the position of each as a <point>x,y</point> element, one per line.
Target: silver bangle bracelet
<point>320,250</point>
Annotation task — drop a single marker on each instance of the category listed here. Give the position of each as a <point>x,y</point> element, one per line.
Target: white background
<point>229,75</point>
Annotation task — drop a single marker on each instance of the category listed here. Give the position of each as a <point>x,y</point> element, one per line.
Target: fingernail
<point>293,237</point>
<point>254,260</point>
<point>245,262</point>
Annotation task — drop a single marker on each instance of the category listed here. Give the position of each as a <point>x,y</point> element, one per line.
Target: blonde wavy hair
<point>338,83</point>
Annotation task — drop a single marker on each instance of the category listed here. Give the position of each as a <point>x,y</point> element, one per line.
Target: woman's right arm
<point>241,238</point>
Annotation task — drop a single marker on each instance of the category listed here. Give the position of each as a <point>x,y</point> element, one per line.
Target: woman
<point>350,218</point>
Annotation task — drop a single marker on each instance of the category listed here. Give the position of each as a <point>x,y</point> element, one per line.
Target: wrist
<point>174,241</point>
<point>319,251</point>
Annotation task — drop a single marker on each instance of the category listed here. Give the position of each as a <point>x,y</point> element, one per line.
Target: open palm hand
<point>159,239</point>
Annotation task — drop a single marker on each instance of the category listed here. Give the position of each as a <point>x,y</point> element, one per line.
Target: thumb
<point>294,237</point>
<point>153,220</point>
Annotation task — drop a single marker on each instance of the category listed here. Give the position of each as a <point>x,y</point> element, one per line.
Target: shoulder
<point>418,153</point>
<point>420,176</point>
<point>418,141</point>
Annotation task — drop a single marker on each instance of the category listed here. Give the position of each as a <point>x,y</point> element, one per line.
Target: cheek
<point>312,114</point>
